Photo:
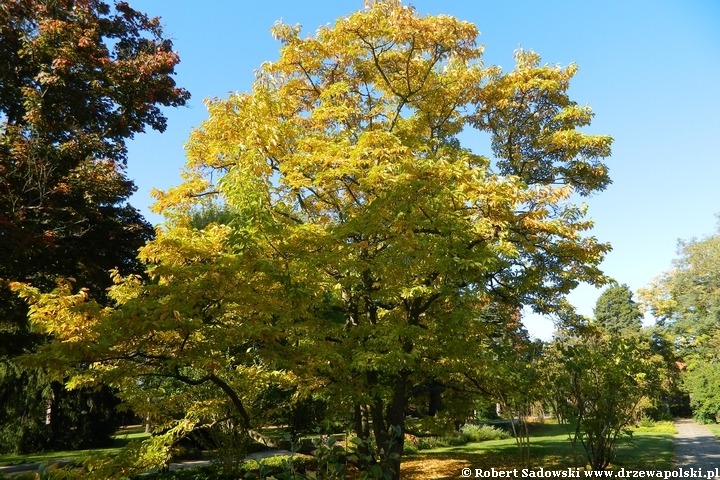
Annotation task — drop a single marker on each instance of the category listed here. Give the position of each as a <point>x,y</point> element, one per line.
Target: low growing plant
<point>481,433</point>
<point>427,443</point>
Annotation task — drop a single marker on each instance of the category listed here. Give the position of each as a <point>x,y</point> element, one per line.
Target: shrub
<point>455,441</point>
<point>278,466</point>
<point>657,426</point>
<point>646,422</point>
<point>477,433</point>
<point>409,449</point>
<point>427,443</point>
<point>209,472</point>
<point>703,382</point>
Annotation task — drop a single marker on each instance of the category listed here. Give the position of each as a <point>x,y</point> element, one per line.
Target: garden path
<point>696,447</point>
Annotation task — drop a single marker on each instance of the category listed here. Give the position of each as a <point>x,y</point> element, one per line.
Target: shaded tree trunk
<point>390,432</point>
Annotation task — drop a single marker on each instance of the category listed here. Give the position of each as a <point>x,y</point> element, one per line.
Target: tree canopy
<point>685,299</point>
<point>78,79</point>
<point>686,303</point>
<point>616,311</point>
<point>368,251</point>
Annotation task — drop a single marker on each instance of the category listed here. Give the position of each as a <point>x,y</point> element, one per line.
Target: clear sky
<point>649,70</point>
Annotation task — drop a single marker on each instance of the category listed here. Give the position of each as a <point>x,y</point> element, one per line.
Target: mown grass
<point>714,429</point>
<point>122,438</point>
<point>649,448</point>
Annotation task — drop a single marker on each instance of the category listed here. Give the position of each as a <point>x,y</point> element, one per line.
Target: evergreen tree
<point>616,311</point>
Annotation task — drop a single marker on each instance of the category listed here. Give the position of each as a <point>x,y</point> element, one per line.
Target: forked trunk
<point>390,432</point>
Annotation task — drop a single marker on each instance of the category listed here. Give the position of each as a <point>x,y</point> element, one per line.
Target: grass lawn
<point>714,429</point>
<point>122,438</point>
<point>650,448</point>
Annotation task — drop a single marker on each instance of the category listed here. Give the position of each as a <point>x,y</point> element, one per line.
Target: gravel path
<point>696,447</point>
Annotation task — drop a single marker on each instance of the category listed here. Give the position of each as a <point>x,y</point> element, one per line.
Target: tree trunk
<point>435,401</point>
<point>147,420</point>
<point>362,428</point>
<point>390,434</point>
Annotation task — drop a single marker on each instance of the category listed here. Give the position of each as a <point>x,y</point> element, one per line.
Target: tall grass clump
<point>477,433</point>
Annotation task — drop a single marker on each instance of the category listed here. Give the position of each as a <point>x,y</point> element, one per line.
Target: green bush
<point>210,472</point>
<point>455,441</point>
<point>702,381</point>
<point>409,449</point>
<point>657,426</point>
<point>427,443</point>
<point>477,433</point>
<point>646,422</point>
<point>279,467</point>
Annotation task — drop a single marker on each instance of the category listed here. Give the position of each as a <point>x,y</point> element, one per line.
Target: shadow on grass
<point>550,448</point>
<point>120,440</point>
<point>646,451</point>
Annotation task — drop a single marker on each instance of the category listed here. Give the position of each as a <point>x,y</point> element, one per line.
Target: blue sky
<point>649,70</point>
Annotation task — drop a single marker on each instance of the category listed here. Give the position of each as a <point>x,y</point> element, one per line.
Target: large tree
<point>78,79</point>
<point>616,311</point>
<point>686,299</point>
<point>686,302</point>
<point>371,253</point>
